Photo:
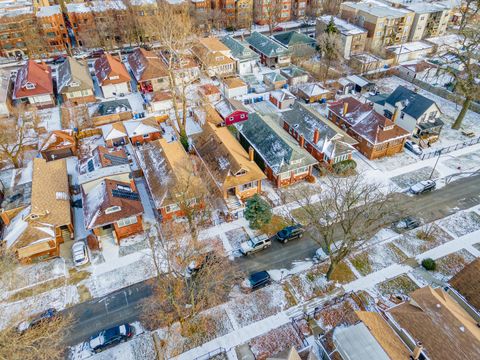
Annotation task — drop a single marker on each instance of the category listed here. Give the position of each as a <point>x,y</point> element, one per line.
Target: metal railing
<point>449,149</point>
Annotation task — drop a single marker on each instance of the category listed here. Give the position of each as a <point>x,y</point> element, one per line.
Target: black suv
<point>110,337</point>
<point>408,223</point>
<point>290,233</point>
<point>259,279</point>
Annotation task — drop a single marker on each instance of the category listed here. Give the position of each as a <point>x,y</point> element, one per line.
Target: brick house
<point>149,70</point>
<point>142,131</point>
<point>313,92</point>
<point>114,134</point>
<point>209,92</point>
<point>276,153</point>
<point>171,178</point>
<point>34,85</point>
<point>58,145</point>
<point>214,57</point>
<point>113,210</point>
<point>377,136</point>
<point>282,99</point>
<point>74,82</point>
<point>112,76</point>
<point>275,80</point>
<point>231,111</point>
<point>272,54</point>
<point>323,140</point>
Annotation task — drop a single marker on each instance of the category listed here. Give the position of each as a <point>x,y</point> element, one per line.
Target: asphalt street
<point>124,305</point>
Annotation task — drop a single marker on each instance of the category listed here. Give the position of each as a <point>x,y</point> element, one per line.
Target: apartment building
<point>386,25</point>
<point>243,13</point>
<point>299,8</point>
<point>15,21</point>
<point>431,19</point>
<point>281,10</point>
<point>53,26</point>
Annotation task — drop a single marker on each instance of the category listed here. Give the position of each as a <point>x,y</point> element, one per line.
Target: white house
<point>112,76</point>
<point>245,57</point>
<point>234,87</point>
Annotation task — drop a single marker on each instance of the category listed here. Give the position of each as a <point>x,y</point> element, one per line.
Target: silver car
<point>256,244</point>
<point>79,253</point>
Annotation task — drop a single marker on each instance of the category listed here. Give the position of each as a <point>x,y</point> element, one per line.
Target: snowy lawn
<point>275,341</point>
<point>476,246</point>
<point>399,285</point>
<point>133,244</point>
<point>377,257</point>
<point>334,313</point>
<point>408,179</point>
<point>461,223</point>
<point>236,237</point>
<point>342,273</point>
<point>309,284</point>
<point>466,162</point>
<point>394,162</point>
<point>258,305</point>
<point>451,264</point>
<point>419,240</point>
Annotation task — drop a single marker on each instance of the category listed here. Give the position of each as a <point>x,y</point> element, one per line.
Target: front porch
<point>428,132</point>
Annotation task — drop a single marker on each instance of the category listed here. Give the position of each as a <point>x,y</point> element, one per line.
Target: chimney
<point>301,141</point>
<point>395,114</point>
<point>417,351</point>
<point>316,136</point>
<point>250,153</point>
<point>345,108</point>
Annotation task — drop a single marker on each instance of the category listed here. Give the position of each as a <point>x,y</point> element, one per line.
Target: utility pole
<point>436,162</point>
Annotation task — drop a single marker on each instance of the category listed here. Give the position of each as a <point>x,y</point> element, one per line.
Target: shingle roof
<point>415,104</point>
<point>238,49</point>
<point>277,148</point>
<point>37,74</point>
<point>108,66</point>
<point>467,283</point>
<point>73,71</point>
<point>146,65</point>
<point>274,77</point>
<point>289,38</point>
<point>265,45</point>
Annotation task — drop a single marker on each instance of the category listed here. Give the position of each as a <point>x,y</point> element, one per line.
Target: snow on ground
<point>405,181</point>
<point>50,119</point>
<point>461,223</point>
<point>298,266</point>
<point>275,341</point>
<point>236,236</point>
<point>412,245</point>
<point>451,264</point>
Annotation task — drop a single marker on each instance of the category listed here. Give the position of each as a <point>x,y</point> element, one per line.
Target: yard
<point>419,240</point>
<point>275,341</point>
<point>451,264</point>
<point>377,257</point>
<point>406,180</point>
<point>399,285</point>
<point>461,223</point>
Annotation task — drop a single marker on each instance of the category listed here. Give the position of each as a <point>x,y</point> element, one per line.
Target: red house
<point>142,131</point>
<point>34,85</point>
<point>231,111</point>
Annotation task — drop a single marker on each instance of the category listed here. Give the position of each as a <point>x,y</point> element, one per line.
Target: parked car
<point>195,266</point>
<point>37,319</point>
<point>290,233</point>
<point>320,256</point>
<point>408,223</point>
<point>110,337</point>
<point>258,279</point>
<point>256,244</point>
<point>79,253</point>
<point>409,145</point>
<point>423,186</point>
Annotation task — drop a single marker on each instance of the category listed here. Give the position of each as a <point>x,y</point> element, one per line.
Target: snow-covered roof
<point>358,80</point>
<point>343,26</point>
<point>282,95</point>
<point>141,127</point>
<point>96,6</point>
<point>312,89</point>
<point>378,9</point>
<point>265,45</point>
<point>51,10</point>
<point>113,131</point>
<point>410,47</point>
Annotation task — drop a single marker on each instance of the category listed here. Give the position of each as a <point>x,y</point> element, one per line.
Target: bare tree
<point>349,212</point>
<point>461,62</point>
<point>35,40</point>
<point>270,12</point>
<point>330,47</point>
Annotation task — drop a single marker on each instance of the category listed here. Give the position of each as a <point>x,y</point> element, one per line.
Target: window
<point>115,77</point>
<point>146,136</point>
<point>248,186</point>
<point>127,221</point>
<point>284,176</point>
<point>112,209</point>
<point>124,188</point>
<point>242,116</point>
<point>171,208</point>
<point>30,86</point>
<point>301,170</point>
<point>230,118</point>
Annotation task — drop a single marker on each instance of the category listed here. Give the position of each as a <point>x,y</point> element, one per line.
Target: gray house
<point>272,54</point>
<point>245,57</point>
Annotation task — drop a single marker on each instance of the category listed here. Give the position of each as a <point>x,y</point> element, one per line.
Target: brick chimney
<point>395,114</point>
<point>417,351</point>
<point>345,108</point>
<point>251,152</point>
<point>301,141</point>
<point>316,136</point>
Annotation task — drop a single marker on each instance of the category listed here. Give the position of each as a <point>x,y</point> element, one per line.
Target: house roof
<point>32,73</point>
<point>58,139</point>
<point>108,66</point>
<point>208,89</point>
<point>146,65</point>
<point>225,157</point>
<point>213,44</point>
<point>343,26</point>
<point>440,324</point>
<point>50,192</point>
<point>282,95</point>
<point>211,58</point>
<point>167,170</point>
<point>277,148</point>
<point>239,49</point>
<point>112,107</point>
<point>226,107</point>
<point>106,194</point>
<point>312,89</point>
<point>289,38</point>
<point>141,127</point>
<point>101,163</point>
<point>234,82</point>
<point>332,141</point>
<point>415,104</point>
<point>384,334</point>
<point>73,75</point>
<point>113,131</point>
<point>266,46</point>
<point>467,283</point>
<point>274,77</point>
<point>158,96</point>
<point>358,80</point>
<point>366,122</point>
<point>293,71</point>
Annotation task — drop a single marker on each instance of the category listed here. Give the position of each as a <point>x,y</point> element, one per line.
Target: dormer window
<point>30,86</point>
<point>219,58</point>
<point>241,172</point>
<point>114,77</point>
<point>112,209</point>
<point>123,188</point>
<point>74,84</point>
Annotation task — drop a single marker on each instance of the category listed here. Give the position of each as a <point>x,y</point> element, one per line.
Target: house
<point>282,159</point>
<point>275,80</point>
<point>354,38</point>
<point>113,210</point>
<point>231,111</point>
<point>59,144</point>
<point>434,324</point>
<point>246,58</point>
<point>171,178</point>
<point>324,141</point>
<point>107,112</point>
<point>34,85</point>
<point>410,51</point>
<point>74,82</point>
<point>414,113</point>
<point>142,131</point>
<point>114,134</point>
<point>294,75</point>
<point>214,56</point>
<point>467,283</point>
<point>209,92</point>
<point>377,135</point>
<point>313,92</point>
<point>160,101</point>
<point>272,54</point>
<point>113,77</point>
<point>185,68</point>
<point>102,164</point>
<point>234,87</point>
<point>148,70</point>
<point>297,43</point>
<point>232,169</point>
<point>5,93</point>
<point>360,84</point>
<point>282,99</point>
<point>365,62</point>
